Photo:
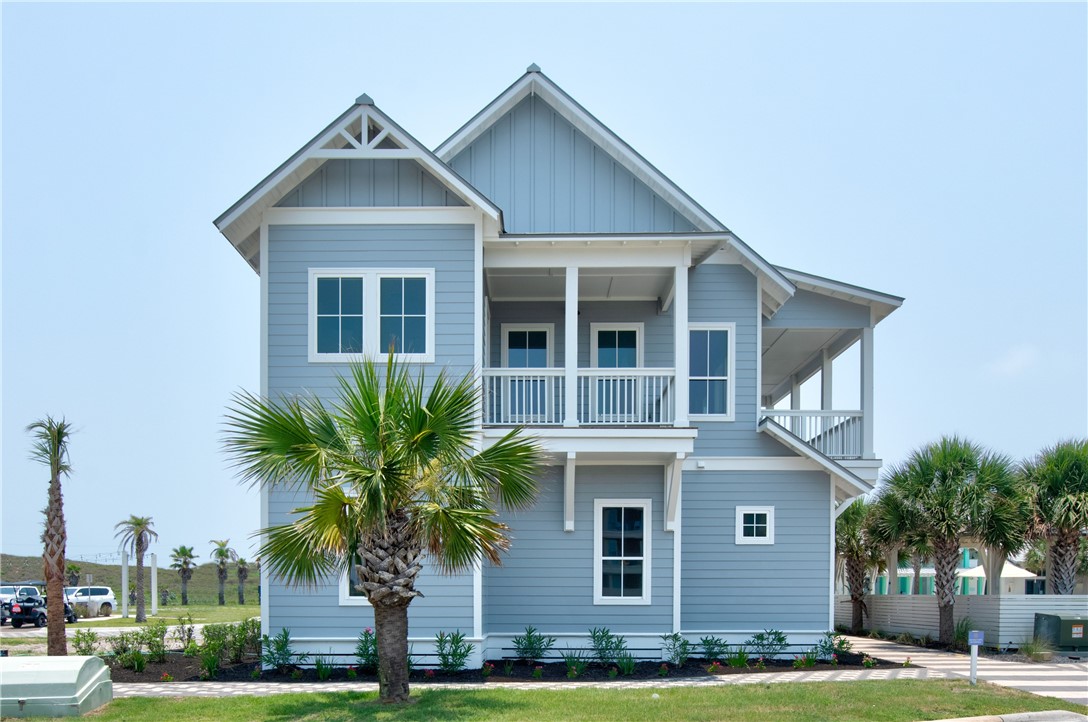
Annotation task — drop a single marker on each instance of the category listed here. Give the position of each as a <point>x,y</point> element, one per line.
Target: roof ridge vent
<point>364,99</point>
<point>533,68</point>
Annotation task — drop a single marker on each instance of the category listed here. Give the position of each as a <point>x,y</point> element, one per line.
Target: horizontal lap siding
<point>548,177</point>
<point>292,251</point>
<point>546,579</point>
<point>727,293</point>
<point>730,586</point>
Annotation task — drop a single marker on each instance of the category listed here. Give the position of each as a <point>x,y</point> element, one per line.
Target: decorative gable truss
<point>364,140</point>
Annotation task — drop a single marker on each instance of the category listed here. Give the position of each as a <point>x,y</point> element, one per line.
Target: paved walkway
<point>1063,681</point>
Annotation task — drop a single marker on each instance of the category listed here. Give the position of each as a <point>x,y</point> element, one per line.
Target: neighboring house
<point>631,332</point>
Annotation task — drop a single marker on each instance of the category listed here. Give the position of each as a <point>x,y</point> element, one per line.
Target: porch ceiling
<point>789,351</point>
<point>594,284</point>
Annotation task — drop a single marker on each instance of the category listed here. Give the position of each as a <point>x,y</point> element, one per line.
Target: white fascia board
<point>883,304</point>
<point>848,480</point>
<point>539,84</point>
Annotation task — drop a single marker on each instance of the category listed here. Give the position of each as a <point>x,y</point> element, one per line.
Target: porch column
<point>680,342</point>
<point>867,393</point>
<point>825,381</point>
<point>795,404</point>
<point>570,353</point>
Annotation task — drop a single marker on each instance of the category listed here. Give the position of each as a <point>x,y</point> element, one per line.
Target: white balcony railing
<point>833,433</point>
<point>622,397</point>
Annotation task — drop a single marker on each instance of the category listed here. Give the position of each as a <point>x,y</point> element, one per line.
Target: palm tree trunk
<point>916,565</point>
<point>1064,554</point>
<point>184,591</point>
<point>222,588</point>
<point>945,557</point>
<point>391,630</point>
<point>55,539</point>
<point>141,612</point>
<point>855,580</point>
<point>241,592</point>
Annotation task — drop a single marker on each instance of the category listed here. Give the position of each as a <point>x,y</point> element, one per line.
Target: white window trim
<point>730,381</point>
<point>371,313</point>
<point>640,337</point>
<point>741,511</point>
<point>647,551</point>
<point>505,328</point>
<point>346,600</point>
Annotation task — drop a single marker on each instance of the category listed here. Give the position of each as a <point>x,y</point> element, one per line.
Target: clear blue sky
<point>936,152</point>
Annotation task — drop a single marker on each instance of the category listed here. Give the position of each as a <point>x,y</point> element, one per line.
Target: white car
<point>99,600</point>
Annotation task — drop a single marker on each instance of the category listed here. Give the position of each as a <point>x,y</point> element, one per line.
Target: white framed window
<point>349,595</point>
<point>528,345</point>
<point>621,551</point>
<point>354,312</point>
<point>711,372</point>
<point>615,345</point>
<point>755,525</point>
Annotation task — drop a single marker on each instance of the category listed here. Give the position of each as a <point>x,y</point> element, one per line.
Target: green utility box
<point>1063,631</point>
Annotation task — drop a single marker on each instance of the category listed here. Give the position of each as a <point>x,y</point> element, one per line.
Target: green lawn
<point>798,702</point>
<point>202,614</point>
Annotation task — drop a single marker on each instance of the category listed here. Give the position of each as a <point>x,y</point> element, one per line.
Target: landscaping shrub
<point>123,643</point>
<point>153,637</point>
<point>133,659</point>
<point>626,664</point>
<point>276,652</point>
<point>738,658</point>
<point>84,641</point>
<point>832,643</point>
<point>185,632</point>
<point>713,648</point>
<point>366,650</point>
<point>453,651</point>
<point>576,662</point>
<point>323,668</point>
<point>959,636</point>
<point>676,648</point>
<point>209,659</point>
<point>806,660</point>
<point>768,644</point>
<point>606,646</point>
<point>532,646</point>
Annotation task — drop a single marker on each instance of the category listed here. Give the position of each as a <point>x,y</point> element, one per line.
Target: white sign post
<point>974,638</point>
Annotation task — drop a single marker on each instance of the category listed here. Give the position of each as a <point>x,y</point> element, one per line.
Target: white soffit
<point>347,137</point>
<point>883,304</point>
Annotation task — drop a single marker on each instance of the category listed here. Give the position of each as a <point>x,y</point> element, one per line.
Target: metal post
<point>124,585</point>
<point>154,586</point>
<point>974,638</point>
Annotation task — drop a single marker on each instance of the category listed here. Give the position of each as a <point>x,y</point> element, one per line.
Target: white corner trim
<point>477,599</point>
<point>647,551</point>
<point>741,511</point>
<point>677,567</point>
<point>266,610</point>
<point>731,378</point>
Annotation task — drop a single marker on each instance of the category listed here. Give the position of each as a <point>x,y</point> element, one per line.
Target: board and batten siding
<point>368,183</point>
<point>546,579</point>
<point>727,586</point>
<point>720,293</point>
<point>292,251</point>
<point>549,177</point>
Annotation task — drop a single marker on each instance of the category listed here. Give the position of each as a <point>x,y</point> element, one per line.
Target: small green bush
<point>123,643</point>
<point>767,644</point>
<point>323,668</point>
<point>209,659</point>
<point>806,660</point>
<point>453,651</point>
<point>831,643</point>
<point>532,646</point>
<point>84,642</point>
<point>576,662</point>
<point>676,649</point>
<point>713,648</point>
<point>133,659</point>
<point>738,658</point>
<point>185,632</point>
<point>277,652</point>
<point>366,650</point>
<point>153,637</point>
<point>607,647</point>
<point>626,664</point>
<point>959,636</point>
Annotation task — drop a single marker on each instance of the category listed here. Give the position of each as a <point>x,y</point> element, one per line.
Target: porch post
<point>680,341</point>
<point>795,404</point>
<point>570,353</point>
<point>867,393</point>
<point>825,382</point>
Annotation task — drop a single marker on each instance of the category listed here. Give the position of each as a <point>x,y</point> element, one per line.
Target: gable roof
<point>847,484</point>
<point>535,82</point>
<point>362,131</point>
<point>882,304</point>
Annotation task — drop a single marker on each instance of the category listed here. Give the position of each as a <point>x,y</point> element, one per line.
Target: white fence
<point>1007,619</point>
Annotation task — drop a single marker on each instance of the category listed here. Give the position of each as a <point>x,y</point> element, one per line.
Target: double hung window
<point>710,375</point>
<point>621,542</point>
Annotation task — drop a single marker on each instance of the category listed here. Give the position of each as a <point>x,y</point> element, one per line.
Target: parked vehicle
<point>11,592</point>
<point>99,600</point>
<point>32,610</point>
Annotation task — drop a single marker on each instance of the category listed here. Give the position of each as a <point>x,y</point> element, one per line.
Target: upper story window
<point>621,545</point>
<point>711,371</point>
<point>370,311</point>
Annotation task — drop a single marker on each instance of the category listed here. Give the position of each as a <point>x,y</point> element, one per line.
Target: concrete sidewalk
<point>1062,681</point>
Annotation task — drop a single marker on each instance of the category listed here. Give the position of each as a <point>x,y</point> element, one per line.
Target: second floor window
<point>358,311</point>
<point>710,376</point>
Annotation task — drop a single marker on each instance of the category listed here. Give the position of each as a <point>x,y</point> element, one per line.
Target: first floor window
<point>710,351</point>
<point>373,312</point>
<point>350,593</point>
<point>622,551</point>
<point>755,525</point>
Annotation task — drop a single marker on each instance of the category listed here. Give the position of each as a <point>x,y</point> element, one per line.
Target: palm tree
<point>243,575</point>
<point>136,534</point>
<point>954,490</point>
<point>183,558</point>
<point>857,553</point>
<point>394,473</point>
<point>891,526</point>
<point>72,571</point>
<point>1058,483</point>
<point>51,448</point>
<point>222,554</point>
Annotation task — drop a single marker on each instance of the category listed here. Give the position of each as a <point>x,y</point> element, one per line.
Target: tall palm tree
<point>51,448</point>
<point>136,534</point>
<point>183,561</point>
<point>1058,483</point>
<point>243,575</point>
<point>857,553</point>
<point>222,554</point>
<point>394,473</point>
<point>953,490</point>
<point>891,526</point>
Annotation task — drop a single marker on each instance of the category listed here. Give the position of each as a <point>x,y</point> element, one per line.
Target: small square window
<point>755,525</point>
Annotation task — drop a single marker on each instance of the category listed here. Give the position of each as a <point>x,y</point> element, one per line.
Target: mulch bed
<point>187,669</point>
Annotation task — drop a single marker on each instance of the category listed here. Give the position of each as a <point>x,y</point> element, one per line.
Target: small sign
<point>1078,631</point>
<point>974,637</point>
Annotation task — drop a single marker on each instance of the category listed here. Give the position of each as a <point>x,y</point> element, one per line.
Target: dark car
<point>31,610</point>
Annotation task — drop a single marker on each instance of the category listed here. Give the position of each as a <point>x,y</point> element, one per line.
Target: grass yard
<point>892,700</point>
<point>202,614</point>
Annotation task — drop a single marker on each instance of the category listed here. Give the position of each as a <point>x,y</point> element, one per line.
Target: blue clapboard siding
<point>549,177</point>
<point>723,293</point>
<point>365,183</point>
<point>546,579</point>
<point>292,251</point>
<point>726,586</point>
<point>812,310</point>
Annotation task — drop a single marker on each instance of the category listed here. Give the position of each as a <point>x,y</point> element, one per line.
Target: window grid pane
<point>403,324</point>
<point>708,385</point>
<point>622,552</point>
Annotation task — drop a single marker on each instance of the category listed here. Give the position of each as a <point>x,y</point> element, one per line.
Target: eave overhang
<point>882,304</point>
<point>847,484</point>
